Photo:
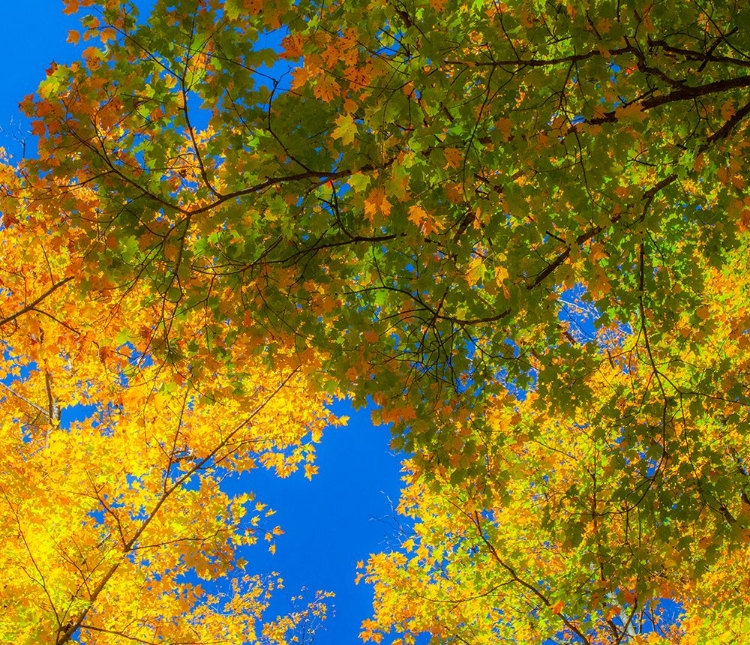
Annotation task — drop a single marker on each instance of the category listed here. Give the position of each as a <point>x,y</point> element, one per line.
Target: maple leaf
<point>631,112</point>
<point>326,88</point>
<point>501,275</point>
<point>345,130</point>
<point>377,203</point>
<point>417,215</point>
<point>292,46</point>
<point>453,157</point>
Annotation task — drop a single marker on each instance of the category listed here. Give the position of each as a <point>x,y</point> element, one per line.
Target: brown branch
<point>57,320</point>
<point>690,54</point>
<point>686,93</point>
<point>34,303</point>
<point>476,520</point>
<point>41,582</point>
<point>191,129</point>
<point>647,198</point>
<point>273,181</point>
<point>120,634</point>
<point>38,408</point>
<point>728,126</point>
<point>534,62</point>
<point>54,409</point>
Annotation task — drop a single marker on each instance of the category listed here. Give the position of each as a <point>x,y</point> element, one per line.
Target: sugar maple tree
<point>597,523</point>
<point>418,210</point>
<point>119,526</point>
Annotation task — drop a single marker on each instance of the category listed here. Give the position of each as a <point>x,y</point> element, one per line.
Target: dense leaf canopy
<point>119,524</point>
<point>518,228</point>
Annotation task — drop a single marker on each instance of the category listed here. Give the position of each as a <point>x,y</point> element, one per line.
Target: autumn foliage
<point>520,229</point>
<point>103,518</point>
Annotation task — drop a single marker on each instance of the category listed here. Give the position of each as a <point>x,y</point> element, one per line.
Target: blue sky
<point>343,514</point>
<point>33,34</point>
<point>340,517</point>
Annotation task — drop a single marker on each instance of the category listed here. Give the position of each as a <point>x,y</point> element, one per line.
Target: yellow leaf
<point>453,157</point>
<point>475,271</point>
<point>416,215</point>
<point>345,129</point>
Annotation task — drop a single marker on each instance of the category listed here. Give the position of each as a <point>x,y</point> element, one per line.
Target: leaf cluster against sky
<point>406,219</point>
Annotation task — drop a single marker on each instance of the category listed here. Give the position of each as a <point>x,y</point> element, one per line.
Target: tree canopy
<point>519,229</point>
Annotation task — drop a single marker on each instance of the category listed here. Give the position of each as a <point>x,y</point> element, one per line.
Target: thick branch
<point>34,303</point>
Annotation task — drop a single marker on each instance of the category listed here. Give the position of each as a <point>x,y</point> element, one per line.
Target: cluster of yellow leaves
<point>110,521</point>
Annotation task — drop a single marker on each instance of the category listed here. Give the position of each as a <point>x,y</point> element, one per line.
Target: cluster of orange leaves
<point>115,514</point>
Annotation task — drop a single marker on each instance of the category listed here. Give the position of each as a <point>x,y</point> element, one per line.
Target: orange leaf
<point>326,89</point>
<point>416,215</point>
<point>633,112</point>
<point>453,157</point>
